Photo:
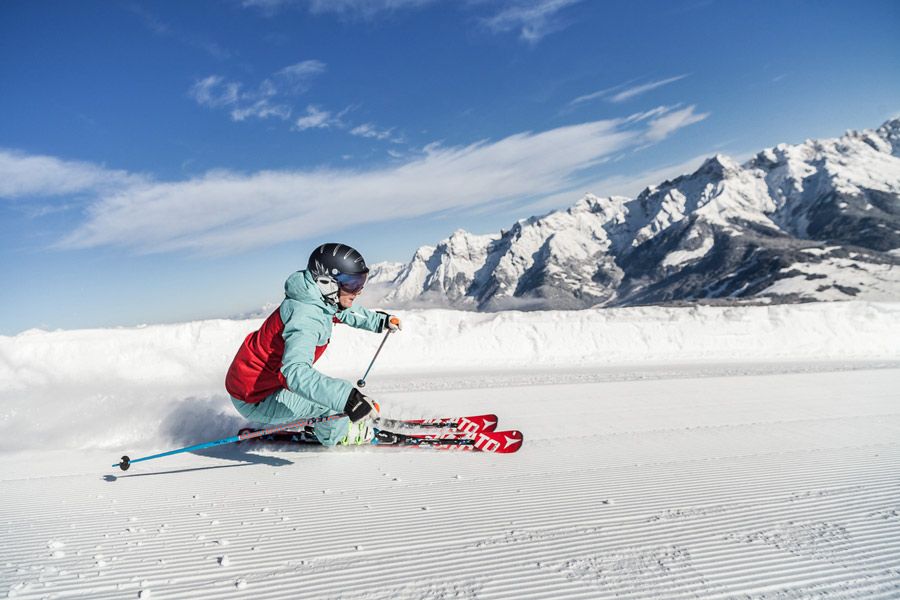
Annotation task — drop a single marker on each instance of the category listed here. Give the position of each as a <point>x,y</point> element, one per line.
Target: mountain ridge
<point>818,220</point>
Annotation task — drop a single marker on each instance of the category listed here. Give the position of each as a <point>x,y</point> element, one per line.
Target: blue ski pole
<point>126,462</point>
<point>362,382</point>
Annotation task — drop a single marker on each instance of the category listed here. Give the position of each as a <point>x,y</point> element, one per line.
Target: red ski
<point>499,442</point>
<point>469,424</point>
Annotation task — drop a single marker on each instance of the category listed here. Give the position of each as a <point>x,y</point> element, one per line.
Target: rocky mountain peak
<point>718,166</point>
<point>890,133</point>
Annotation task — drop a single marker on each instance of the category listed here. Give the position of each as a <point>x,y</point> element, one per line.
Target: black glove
<point>390,322</point>
<point>358,406</point>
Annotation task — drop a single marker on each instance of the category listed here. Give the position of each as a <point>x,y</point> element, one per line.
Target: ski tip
<point>498,442</point>
<point>489,422</point>
<point>479,422</point>
<point>510,440</point>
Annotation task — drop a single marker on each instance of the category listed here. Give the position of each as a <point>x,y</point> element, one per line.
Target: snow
<point>679,257</point>
<point>669,452</point>
<point>837,279</point>
<point>162,384</point>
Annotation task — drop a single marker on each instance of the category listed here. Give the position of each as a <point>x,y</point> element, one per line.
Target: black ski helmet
<point>337,266</point>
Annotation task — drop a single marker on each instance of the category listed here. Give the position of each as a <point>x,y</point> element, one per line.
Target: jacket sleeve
<point>303,326</point>
<point>362,318</point>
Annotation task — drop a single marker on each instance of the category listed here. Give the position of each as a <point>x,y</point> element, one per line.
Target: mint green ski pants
<point>284,406</point>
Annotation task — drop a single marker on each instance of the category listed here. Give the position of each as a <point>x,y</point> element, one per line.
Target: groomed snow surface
<point>669,453</point>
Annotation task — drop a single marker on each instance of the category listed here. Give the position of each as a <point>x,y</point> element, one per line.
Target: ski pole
<point>126,462</point>
<point>362,382</point>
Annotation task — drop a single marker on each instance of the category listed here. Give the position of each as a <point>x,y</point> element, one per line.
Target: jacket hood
<point>302,287</point>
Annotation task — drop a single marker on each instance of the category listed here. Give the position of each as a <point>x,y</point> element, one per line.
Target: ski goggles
<point>351,283</point>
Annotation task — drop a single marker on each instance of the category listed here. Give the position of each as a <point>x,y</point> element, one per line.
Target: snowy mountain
<point>814,221</point>
<point>380,277</point>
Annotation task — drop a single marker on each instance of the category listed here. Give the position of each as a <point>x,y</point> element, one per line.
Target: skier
<point>272,379</point>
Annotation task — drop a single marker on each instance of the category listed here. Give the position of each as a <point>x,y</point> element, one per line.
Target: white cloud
<point>297,76</point>
<point>226,212</point>
<point>267,100</point>
<point>625,94</point>
<point>268,7</point>
<point>534,19</point>
<point>214,91</point>
<point>531,19</point>
<point>617,185</point>
<point>343,8</point>
<point>319,118</point>
<point>363,8</point>
<point>161,28</point>
<point>640,89</point>
<point>651,114</point>
<point>27,175</point>
<point>595,95</point>
<point>261,109</point>
<point>315,119</point>
<point>368,130</point>
<point>662,126</point>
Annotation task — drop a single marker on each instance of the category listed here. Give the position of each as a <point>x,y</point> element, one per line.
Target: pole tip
<point>361,382</point>
<point>126,462</point>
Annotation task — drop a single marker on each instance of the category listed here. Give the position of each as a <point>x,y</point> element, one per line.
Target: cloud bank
<point>23,175</point>
<point>228,212</point>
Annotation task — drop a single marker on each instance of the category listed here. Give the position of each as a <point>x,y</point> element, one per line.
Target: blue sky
<point>166,161</point>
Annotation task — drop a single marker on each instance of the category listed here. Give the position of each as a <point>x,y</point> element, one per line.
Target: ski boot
<point>358,434</point>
